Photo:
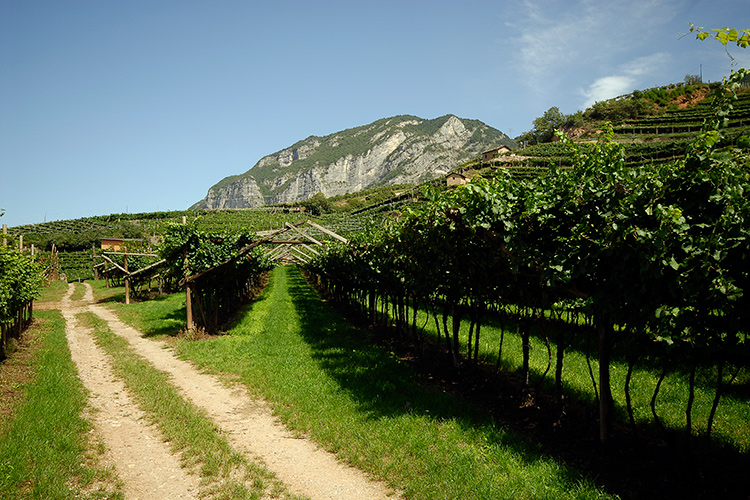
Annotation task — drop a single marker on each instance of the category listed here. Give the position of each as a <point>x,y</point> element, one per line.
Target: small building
<point>456,179</point>
<point>492,153</point>
<point>120,244</point>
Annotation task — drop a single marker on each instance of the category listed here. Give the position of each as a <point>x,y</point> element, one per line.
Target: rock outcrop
<point>397,150</point>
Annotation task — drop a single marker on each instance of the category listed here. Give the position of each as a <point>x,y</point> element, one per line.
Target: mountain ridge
<point>400,149</point>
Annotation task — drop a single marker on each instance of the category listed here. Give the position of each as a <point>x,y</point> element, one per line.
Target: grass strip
<point>79,291</point>
<point>225,474</point>
<point>160,316</point>
<point>45,451</point>
<point>53,292</point>
<point>733,414</point>
<point>324,378</point>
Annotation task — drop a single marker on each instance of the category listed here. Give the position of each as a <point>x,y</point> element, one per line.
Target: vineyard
<point>615,268</point>
<point>650,264</point>
<point>649,138</point>
<point>20,280</point>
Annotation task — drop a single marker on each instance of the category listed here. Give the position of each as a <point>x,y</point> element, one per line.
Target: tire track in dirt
<point>251,428</point>
<point>141,458</point>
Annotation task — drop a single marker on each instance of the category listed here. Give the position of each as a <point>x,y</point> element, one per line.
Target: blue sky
<point>136,106</point>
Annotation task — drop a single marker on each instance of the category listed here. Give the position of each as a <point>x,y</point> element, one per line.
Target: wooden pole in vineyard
<point>54,264</point>
<point>127,281</point>
<point>5,233</point>
<point>93,258</point>
<point>188,298</point>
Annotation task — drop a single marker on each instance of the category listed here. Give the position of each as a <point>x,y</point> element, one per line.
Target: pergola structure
<point>299,249</point>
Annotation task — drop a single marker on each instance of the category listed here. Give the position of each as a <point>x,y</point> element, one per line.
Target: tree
<point>317,204</point>
<point>545,125</point>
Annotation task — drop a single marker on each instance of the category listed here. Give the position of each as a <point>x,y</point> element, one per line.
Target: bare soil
<point>145,463</point>
<point>135,448</point>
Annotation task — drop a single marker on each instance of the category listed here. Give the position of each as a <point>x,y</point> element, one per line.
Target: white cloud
<point>559,41</point>
<point>608,87</point>
<point>627,78</point>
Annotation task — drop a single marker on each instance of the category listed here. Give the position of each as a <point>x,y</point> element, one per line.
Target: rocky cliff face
<point>397,150</point>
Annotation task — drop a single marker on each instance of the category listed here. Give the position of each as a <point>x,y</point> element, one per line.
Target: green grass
<point>324,379</point>
<point>45,450</point>
<point>78,292</point>
<point>321,376</point>
<point>225,473</point>
<point>54,292</point>
<point>164,315</point>
<point>104,294</point>
<point>732,421</point>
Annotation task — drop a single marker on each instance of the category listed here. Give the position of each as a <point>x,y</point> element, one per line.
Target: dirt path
<point>142,459</point>
<point>248,423</point>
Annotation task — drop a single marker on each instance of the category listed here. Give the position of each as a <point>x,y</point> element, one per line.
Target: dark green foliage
<point>81,234</point>
<point>219,267</point>
<point>545,126</point>
<point>20,282</point>
<point>655,256</point>
<point>616,110</point>
<point>317,205</point>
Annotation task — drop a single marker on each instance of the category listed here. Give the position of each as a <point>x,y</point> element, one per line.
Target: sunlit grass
<point>164,315</point>
<point>44,451</point>
<point>53,292</point>
<point>104,294</point>
<point>78,291</point>
<point>188,429</point>
<point>324,379</point>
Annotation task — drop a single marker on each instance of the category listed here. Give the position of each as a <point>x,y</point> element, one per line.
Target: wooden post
<point>20,243</point>
<point>188,295</point>
<point>127,282</point>
<point>54,263</point>
<point>5,234</point>
<point>93,258</point>
<point>189,307</point>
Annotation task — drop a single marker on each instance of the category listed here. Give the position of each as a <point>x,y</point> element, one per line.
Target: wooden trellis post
<point>127,280</point>
<point>54,263</point>
<point>188,295</point>
<point>93,253</point>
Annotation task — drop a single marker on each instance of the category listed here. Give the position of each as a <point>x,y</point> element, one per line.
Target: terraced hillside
<point>657,132</point>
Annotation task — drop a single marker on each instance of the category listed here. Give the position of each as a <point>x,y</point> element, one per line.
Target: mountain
<point>397,150</point>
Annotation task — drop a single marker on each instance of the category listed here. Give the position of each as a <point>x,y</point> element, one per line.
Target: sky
<point>142,105</point>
